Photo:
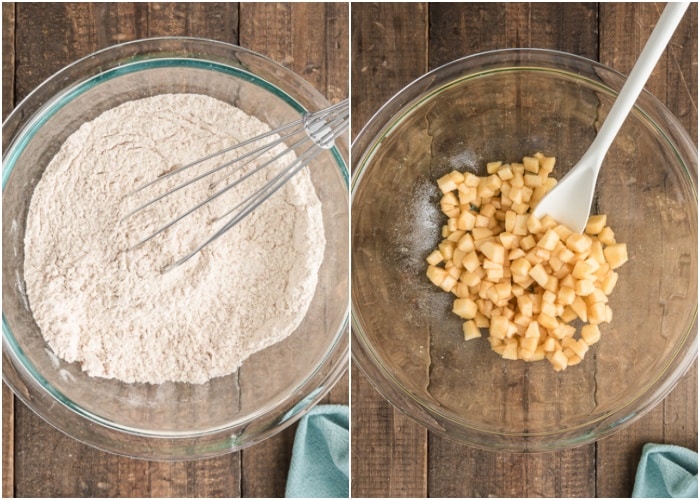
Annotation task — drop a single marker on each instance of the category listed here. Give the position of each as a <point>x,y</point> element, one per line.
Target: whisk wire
<point>320,130</point>
<point>249,156</point>
<point>215,195</point>
<point>252,202</point>
<point>272,185</point>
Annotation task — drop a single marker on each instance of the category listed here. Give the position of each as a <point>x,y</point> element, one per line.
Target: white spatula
<point>569,202</point>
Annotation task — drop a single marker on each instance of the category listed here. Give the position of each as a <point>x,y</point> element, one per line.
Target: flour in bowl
<point>108,306</point>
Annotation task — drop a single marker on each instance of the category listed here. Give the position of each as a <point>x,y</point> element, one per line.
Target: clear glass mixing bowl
<point>274,387</point>
<point>501,106</point>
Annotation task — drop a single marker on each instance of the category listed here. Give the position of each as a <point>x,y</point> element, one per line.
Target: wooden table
<point>392,44</point>
<point>38,40</point>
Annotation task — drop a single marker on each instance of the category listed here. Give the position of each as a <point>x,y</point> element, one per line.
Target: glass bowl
<point>273,388</point>
<point>504,105</point>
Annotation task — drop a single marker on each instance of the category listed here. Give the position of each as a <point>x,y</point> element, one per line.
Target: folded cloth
<point>320,455</point>
<point>666,471</point>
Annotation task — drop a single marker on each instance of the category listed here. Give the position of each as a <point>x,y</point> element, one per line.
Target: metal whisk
<point>307,137</point>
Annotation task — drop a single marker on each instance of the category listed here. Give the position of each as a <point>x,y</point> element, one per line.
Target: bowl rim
<point>296,402</point>
<point>67,69</point>
<point>397,99</point>
<point>379,125</point>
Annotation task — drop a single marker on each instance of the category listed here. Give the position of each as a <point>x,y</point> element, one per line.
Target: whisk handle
<point>323,127</point>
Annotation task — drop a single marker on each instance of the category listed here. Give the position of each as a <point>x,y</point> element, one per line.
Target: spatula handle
<point>654,48</point>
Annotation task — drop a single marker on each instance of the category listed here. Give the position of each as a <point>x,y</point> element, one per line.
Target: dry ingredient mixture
<point>108,306</point>
<point>528,281</point>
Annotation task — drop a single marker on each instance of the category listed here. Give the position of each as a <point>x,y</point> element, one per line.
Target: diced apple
<point>580,308</point>
<point>436,275</point>
<point>525,280</point>
<point>464,308</point>
<point>568,315</point>
<point>448,283</point>
<point>596,223</point>
<point>596,313</point>
<point>590,334</point>
<point>616,254</point>
<point>566,295</point>
<point>578,243</point>
<point>446,183</point>
<point>539,274</point>
<point>481,233</point>
<point>563,331</point>
<point>461,290</point>
<point>607,236</point>
<point>494,252</point>
<point>471,330</point>
<point>549,240</point>
<point>510,351</point>
<point>505,173</point>
<point>528,242</point>
<point>584,287</point>
<point>453,271</point>
<point>582,270</point>
<point>466,221</point>
<point>559,360</point>
<point>547,322</point>
<point>508,240</point>
<point>531,164</point>
<point>608,283</point>
<point>529,343</point>
<point>499,327</point>
<point>533,330</point>
<point>520,226</point>
<point>434,258</point>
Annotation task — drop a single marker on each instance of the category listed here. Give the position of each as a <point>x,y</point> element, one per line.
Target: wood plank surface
<point>8,96</point>
<point>391,44</point>
<point>281,32</point>
<point>624,31</point>
<point>39,39</point>
<point>382,61</point>
<point>389,49</point>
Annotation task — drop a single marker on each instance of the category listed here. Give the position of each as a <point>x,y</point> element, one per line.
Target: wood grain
<point>389,451</point>
<point>39,39</point>
<point>8,95</point>
<point>8,58</point>
<point>624,31</point>
<point>392,44</point>
<point>318,52</point>
<point>320,55</point>
<point>467,28</point>
<point>389,47</point>
<point>8,442</point>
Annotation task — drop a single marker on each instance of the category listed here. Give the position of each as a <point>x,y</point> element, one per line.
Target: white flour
<point>111,308</point>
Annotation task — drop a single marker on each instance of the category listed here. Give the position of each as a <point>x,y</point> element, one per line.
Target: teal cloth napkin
<point>666,471</point>
<point>320,455</point>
